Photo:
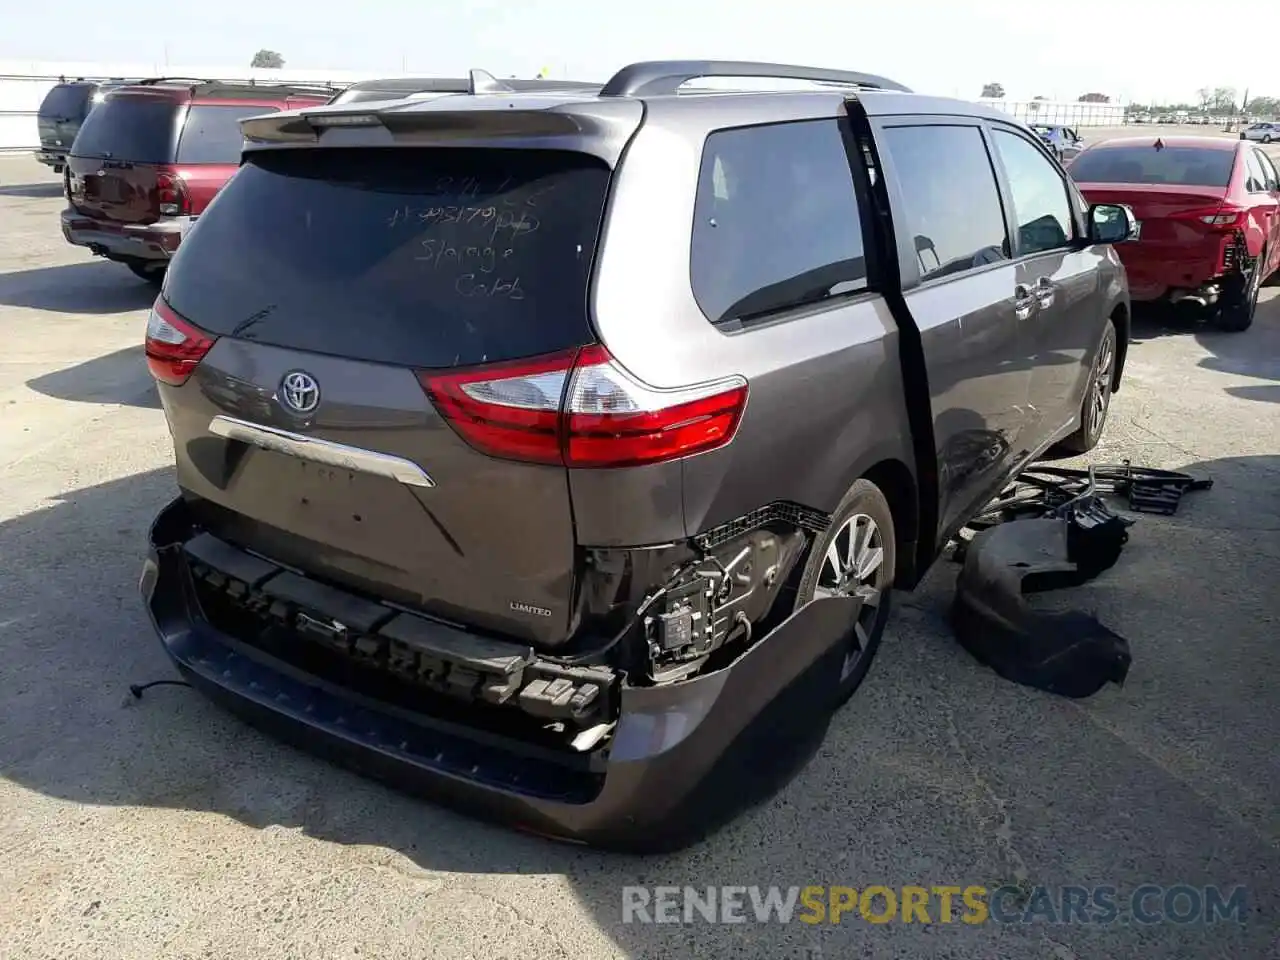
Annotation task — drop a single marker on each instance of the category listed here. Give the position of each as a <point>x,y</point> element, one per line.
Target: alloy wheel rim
<point>1100,395</point>
<point>853,566</point>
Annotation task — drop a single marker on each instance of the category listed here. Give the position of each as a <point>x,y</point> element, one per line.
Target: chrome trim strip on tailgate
<point>321,451</point>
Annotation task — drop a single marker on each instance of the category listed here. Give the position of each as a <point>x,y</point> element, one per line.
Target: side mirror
<point>1112,223</point>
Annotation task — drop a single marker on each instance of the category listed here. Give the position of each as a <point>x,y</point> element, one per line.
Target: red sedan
<point>1207,209</point>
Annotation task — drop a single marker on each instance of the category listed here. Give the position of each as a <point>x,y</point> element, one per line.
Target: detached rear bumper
<point>682,759</point>
<point>156,242</point>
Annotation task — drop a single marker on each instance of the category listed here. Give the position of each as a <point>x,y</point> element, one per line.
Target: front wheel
<point>1097,396</point>
<point>1267,138</point>
<point>855,557</point>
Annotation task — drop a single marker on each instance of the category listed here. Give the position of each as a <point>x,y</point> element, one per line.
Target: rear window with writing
<point>426,258</point>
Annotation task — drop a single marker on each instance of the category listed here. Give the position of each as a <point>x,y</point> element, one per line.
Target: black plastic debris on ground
<point>1052,529</point>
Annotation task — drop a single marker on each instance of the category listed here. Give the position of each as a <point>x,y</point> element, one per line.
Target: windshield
<point>141,129</point>
<point>426,258</point>
<point>1181,166</point>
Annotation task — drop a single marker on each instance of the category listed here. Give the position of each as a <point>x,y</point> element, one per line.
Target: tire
<point>1095,405</point>
<point>1267,138</point>
<point>1235,314</point>
<point>863,505</point>
<point>144,271</point>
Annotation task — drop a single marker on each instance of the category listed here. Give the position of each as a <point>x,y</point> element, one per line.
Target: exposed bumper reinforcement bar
<point>682,759</point>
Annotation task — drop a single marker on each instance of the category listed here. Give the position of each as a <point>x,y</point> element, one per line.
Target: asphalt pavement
<point>165,828</point>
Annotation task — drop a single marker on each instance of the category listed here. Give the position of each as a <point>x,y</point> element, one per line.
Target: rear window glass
<point>211,133</point>
<point>1184,166</point>
<point>67,100</point>
<point>425,258</point>
<point>140,129</point>
<point>776,222</point>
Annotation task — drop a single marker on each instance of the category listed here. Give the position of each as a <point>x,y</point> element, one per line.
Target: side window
<point>952,202</point>
<point>1268,168</point>
<point>1040,204</point>
<point>1256,177</point>
<point>211,133</point>
<point>776,221</point>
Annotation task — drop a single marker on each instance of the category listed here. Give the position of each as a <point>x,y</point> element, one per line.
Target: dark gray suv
<point>553,453</point>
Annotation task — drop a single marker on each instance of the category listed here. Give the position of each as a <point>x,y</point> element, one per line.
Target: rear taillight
<point>580,408</point>
<point>1223,217</point>
<point>174,347</point>
<point>172,196</point>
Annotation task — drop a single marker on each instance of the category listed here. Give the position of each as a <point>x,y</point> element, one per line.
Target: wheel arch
<point>896,481</point>
<point>1122,318</point>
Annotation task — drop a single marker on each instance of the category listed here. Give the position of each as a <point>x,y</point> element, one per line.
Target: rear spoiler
<point>599,128</point>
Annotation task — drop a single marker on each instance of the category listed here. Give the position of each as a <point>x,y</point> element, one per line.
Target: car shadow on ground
<point>95,287</point>
<point>31,190</point>
<point>937,772</point>
<point>1253,353</point>
<point>117,378</point>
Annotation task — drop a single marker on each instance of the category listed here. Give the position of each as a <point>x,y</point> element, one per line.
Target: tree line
<point>1214,100</point>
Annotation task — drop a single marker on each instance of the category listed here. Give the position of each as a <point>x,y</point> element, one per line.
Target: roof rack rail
<point>151,81</point>
<point>662,77</point>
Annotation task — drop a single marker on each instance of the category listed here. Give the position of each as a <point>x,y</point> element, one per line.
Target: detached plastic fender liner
<point>1071,654</point>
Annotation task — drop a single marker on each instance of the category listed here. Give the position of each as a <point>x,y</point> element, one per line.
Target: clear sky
<point>1130,49</point>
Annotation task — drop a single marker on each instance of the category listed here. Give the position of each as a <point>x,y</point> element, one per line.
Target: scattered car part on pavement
<point>1053,529</point>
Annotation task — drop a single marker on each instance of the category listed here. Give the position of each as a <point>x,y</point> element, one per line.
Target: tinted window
<point>427,258</point>
<point>129,128</point>
<point>1186,166</point>
<point>69,101</point>
<point>952,201</point>
<point>775,221</point>
<point>1040,205</point>
<point>211,134</point>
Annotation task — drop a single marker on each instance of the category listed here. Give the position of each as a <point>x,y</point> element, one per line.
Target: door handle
<point>1045,291</point>
<point>1024,301</point>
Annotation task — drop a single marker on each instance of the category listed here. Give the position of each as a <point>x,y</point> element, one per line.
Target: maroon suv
<point>148,160</point>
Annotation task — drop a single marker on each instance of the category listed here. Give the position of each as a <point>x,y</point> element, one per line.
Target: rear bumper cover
<point>50,158</point>
<point>683,757</point>
<point>125,241</point>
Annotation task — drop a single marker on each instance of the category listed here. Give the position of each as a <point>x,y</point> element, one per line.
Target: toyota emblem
<point>299,392</point>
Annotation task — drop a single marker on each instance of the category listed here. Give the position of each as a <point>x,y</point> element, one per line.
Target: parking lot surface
<point>164,828</point>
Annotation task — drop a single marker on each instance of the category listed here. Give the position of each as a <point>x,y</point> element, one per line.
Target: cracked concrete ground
<point>164,828</point>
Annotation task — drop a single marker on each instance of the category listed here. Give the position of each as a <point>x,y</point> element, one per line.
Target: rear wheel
<point>1266,138</point>
<point>855,557</point>
<point>1235,313</point>
<point>1097,396</point>
<point>151,273</point>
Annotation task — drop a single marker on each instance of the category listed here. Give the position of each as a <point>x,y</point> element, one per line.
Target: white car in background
<point>1263,132</point>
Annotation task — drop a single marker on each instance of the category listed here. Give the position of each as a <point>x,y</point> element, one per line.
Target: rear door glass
<point>952,200</point>
<point>140,129</point>
<point>211,133</point>
<point>423,258</point>
<point>1183,166</point>
<point>67,101</point>
<point>776,221</point>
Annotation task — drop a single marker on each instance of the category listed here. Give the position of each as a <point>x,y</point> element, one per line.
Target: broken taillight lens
<point>580,408</point>
<point>172,196</point>
<point>174,346</point>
